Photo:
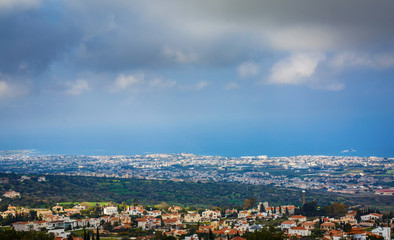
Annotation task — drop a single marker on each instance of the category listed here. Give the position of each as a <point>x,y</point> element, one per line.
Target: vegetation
<point>31,235</point>
<point>70,189</point>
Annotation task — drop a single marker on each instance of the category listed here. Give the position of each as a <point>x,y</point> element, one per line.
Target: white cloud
<point>123,82</point>
<point>25,4</point>
<point>354,59</point>
<point>248,69</point>
<point>297,38</point>
<point>296,69</point>
<point>196,87</point>
<point>4,89</point>
<point>201,84</point>
<point>231,86</point>
<point>180,56</point>
<point>77,87</point>
<point>8,89</point>
<point>158,82</point>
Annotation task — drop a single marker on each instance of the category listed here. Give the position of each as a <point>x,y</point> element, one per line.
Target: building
<point>371,217</point>
<point>57,208</point>
<point>384,191</point>
<point>298,218</point>
<point>327,226</point>
<point>42,179</point>
<point>11,194</point>
<point>110,210</point>
<point>192,217</point>
<point>209,214</point>
<point>308,225</point>
<point>287,224</point>
<point>154,213</point>
<point>301,231</point>
<point>383,231</point>
<point>23,226</point>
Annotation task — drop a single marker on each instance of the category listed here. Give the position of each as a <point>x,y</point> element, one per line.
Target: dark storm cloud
<point>131,35</point>
<point>227,32</point>
<point>31,40</point>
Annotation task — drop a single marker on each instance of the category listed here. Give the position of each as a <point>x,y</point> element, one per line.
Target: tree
<point>247,204</point>
<point>262,208</point>
<point>70,236</point>
<point>347,227</point>
<point>210,235</point>
<point>336,209</point>
<point>163,206</point>
<point>97,234</point>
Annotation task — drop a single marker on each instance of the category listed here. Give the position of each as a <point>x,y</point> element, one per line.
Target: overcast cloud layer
<point>263,76</point>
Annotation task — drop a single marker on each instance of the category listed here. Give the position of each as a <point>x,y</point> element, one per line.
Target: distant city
<point>343,174</point>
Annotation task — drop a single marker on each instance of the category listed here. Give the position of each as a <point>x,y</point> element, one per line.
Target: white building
<point>154,213</point>
<point>192,217</point>
<point>11,194</point>
<point>288,224</point>
<point>110,210</point>
<point>299,231</point>
<point>42,179</point>
<point>383,231</point>
<point>371,217</point>
<point>209,214</point>
<point>23,226</point>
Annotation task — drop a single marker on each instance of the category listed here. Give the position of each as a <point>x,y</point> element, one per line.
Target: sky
<point>224,77</point>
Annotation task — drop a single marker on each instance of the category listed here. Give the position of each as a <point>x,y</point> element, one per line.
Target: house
<point>171,216</point>
<point>351,214</point>
<point>41,179</point>
<point>298,218</point>
<point>204,229</point>
<point>57,208</point>
<point>308,225</point>
<point>334,235</point>
<point>289,209</point>
<point>384,191</point>
<point>38,225</point>
<point>172,222</point>
<point>154,213</point>
<point>79,207</point>
<point>175,233</point>
<point>12,194</point>
<point>371,217</point>
<point>209,214</point>
<point>230,211</point>
<point>110,210</point>
<point>287,224</point>
<point>383,231</point>
<point>192,217</point>
<point>8,213</point>
<point>41,212</point>
<point>365,224</point>
<point>174,209</point>
<point>254,228</point>
<point>327,226</point>
<point>23,178</point>
<point>136,210</point>
<point>148,222</point>
<point>70,211</point>
<point>243,214</point>
<point>23,226</point>
<point>301,231</point>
